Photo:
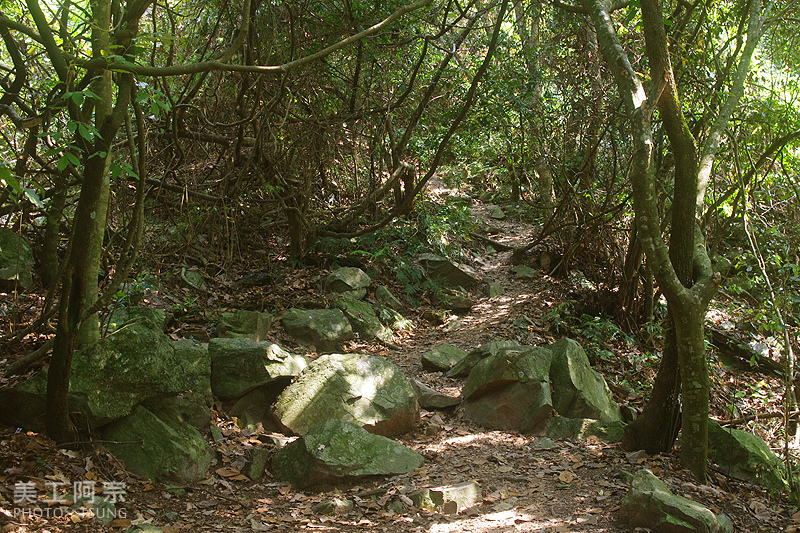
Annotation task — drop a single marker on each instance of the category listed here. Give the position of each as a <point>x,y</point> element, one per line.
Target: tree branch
<point>217,65</point>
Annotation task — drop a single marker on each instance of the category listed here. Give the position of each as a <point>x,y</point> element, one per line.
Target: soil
<point>574,487</point>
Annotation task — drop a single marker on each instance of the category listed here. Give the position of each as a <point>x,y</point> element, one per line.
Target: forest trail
<point>528,483</point>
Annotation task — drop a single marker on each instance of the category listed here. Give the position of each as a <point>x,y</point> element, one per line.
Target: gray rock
<point>385,297</point>
<point>180,410</point>
<point>161,448</point>
<point>448,499</point>
<point>255,407</point>
<point>245,324</point>
<point>336,451</point>
<point>509,390</point>
<point>450,273</point>
<point>351,280</point>
<point>465,365</point>
<point>443,357</point>
<point>496,212</point>
<point>240,365</point>
<point>108,378</point>
<point>133,364</point>
<point>578,390</point>
<point>650,504</point>
<point>334,507</point>
<point>196,366</point>
<point>495,289</point>
<point>454,300</point>
<point>544,443</point>
<point>524,272</point>
<point>367,391</point>
<point>429,398</point>
<point>744,456</point>
<point>327,329</point>
<point>257,461</point>
<point>16,261</point>
<point>363,319</point>
<point>581,428</point>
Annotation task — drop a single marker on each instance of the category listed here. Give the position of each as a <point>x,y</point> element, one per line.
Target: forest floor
<point>574,487</point>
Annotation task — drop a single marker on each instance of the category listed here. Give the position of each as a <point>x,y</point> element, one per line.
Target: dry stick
<point>27,360</point>
<point>756,416</point>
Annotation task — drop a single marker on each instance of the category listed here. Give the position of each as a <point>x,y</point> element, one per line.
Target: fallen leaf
<point>566,476</point>
<point>228,471</point>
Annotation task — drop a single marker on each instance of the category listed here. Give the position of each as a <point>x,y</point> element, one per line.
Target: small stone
<point>495,289</point>
<point>433,429</point>
<point>525,272</point>
<point>334,507</point>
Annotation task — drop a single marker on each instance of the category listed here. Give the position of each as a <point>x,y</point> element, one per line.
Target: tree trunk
<point>79,281</point>
<point>656,428</point>
<point>687,297</point>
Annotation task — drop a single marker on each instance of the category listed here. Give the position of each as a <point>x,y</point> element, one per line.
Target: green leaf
<point>67,159</point>
<point>31,195</point>
<point>84,132</point>
<point>8,178</point>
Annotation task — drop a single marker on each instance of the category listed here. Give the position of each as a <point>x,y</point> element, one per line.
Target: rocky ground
<point>527,483</point>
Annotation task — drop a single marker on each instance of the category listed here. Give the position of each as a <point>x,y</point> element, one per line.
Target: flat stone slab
<point>239,365</point>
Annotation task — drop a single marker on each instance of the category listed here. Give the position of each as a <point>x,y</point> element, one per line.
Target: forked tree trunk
<point>687,302</point>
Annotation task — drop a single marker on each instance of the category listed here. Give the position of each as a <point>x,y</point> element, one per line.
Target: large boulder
<point>509,390</point>
<point>449,273</point>
<point>650,504</point>
<point>578,390</point>
<point>368,391</point>
<point>744,456</point>
<point>240,365</point>
<point>244,324</point>
<point>161,447</point>
<point>335,451</point>
<point>363,319</point>
<point>16,261</point>
<point>327,329</point>
<point>466,364</point>
<point>196,366</point>
<point>108,378</point>
<point>348,280</point>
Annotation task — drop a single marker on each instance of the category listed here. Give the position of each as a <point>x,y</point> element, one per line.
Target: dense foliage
<point>188,120</point>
